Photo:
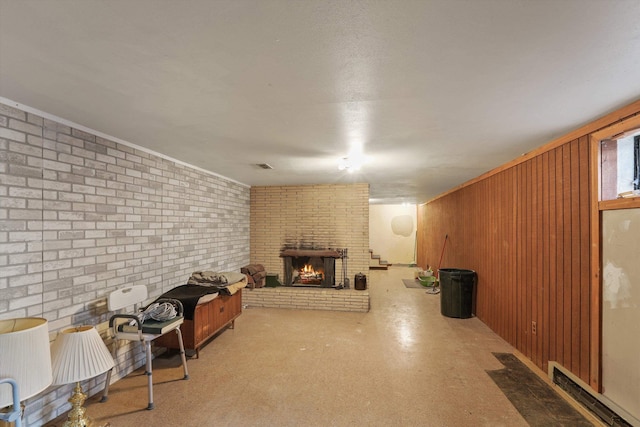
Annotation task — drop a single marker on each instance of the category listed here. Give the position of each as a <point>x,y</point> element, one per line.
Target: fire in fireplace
<point>308,275</point>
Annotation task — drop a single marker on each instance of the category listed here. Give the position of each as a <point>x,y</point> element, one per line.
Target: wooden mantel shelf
<point>327,253</point>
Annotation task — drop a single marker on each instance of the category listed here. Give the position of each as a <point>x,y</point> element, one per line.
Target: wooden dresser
<point>208,319</point>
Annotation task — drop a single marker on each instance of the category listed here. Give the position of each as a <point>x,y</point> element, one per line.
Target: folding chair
<point>128,327</point>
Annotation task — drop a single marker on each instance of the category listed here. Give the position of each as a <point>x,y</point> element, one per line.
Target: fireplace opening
<point>310,267</point>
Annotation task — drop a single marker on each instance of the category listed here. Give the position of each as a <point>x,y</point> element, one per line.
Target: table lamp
<point>25,363</point>
<point>79,354</point>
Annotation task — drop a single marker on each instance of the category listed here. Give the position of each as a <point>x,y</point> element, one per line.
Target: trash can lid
<point>457,270</point>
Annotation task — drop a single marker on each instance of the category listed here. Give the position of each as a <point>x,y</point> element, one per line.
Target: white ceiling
<point>435,92</point>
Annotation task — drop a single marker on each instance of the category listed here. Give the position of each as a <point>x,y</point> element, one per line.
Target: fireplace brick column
<point>325,216</point>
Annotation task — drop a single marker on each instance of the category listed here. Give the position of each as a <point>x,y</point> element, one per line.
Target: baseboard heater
<point>586,399</point>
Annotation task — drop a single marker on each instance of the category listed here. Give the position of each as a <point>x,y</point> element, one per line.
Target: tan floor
<point>401,364</point>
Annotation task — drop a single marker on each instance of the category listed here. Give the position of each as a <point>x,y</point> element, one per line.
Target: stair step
<point>380,264</point>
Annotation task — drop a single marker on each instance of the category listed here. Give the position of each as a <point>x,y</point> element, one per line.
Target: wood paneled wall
<point>525,230</point>
<point>530,229</point>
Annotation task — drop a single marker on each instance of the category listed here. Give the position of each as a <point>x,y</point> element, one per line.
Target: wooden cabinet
<point>208,319</point>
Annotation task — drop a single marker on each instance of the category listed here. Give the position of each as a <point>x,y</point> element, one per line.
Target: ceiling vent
<point>264,165</point>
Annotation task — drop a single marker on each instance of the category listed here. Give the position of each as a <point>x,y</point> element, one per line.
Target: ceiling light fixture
<point>351,164</point>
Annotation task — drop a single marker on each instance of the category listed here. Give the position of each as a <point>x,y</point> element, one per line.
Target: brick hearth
<point>308,299</point>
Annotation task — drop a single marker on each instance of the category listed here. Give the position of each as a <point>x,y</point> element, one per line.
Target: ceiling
<point>432,93</point>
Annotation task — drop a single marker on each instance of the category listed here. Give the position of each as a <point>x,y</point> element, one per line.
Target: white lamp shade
<point>79,354</point>
<point>24,356</point>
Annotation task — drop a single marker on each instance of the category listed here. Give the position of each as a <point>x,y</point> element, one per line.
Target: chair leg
<point>148,368</point>
<point>114,353</point>
<point>182,353</point>
<point>149,374</point>
<point>105,392</point>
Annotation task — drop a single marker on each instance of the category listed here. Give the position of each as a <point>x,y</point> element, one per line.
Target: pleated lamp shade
<point>78,354</point>
<point>24,357</point>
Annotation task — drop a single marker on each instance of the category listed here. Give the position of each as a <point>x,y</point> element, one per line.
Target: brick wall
<point>81,215</point>
<point>325,216</point>
<point>307,299</point>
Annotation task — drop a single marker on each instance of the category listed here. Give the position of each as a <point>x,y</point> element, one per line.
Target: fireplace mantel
<point>325,253</point>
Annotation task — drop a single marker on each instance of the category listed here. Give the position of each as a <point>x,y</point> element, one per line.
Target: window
<point>620,166</point>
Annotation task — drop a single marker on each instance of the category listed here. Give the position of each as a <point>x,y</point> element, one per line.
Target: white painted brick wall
<point>81,215</point>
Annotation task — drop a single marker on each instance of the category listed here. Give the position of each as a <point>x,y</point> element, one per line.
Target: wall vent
<point>608,416</point>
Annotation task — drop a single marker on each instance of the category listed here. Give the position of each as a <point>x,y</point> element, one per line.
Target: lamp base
<point>77,416</point>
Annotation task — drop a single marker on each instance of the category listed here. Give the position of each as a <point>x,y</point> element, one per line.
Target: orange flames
<point>308,274</point>
<point>307,269</point>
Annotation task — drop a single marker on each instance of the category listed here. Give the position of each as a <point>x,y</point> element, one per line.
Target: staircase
<point>376,263</point>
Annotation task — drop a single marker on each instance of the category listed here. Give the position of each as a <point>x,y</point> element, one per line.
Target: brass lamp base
<point>77,417</point>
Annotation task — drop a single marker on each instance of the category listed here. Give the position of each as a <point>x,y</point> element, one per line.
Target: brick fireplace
<point>310,216</point>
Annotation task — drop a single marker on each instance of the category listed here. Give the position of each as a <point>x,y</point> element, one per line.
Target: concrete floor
<point>401,364</point>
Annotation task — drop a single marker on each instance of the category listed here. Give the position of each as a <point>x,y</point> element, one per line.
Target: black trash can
<point>457,292</point>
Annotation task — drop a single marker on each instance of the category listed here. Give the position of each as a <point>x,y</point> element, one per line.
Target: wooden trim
<point>595,324</point>
<point>612,131</point>
<point>629,203</point>
<point>595,373</point>
<point>627,114</point>
<point>595,177</point>
<point>585,261</point>
<point>553,255</point>
<point>544,306</point>
<point>631,124</point>
<point>566,270</point>
<point>560,251</point>
<point>310,253</point>
<point>619,128</point>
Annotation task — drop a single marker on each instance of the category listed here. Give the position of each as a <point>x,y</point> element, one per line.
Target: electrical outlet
<point>534,327</point>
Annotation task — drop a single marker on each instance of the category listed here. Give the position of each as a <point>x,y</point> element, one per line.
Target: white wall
<point>625,164</point>
<point>621,310</point>
<point>392,232</point>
